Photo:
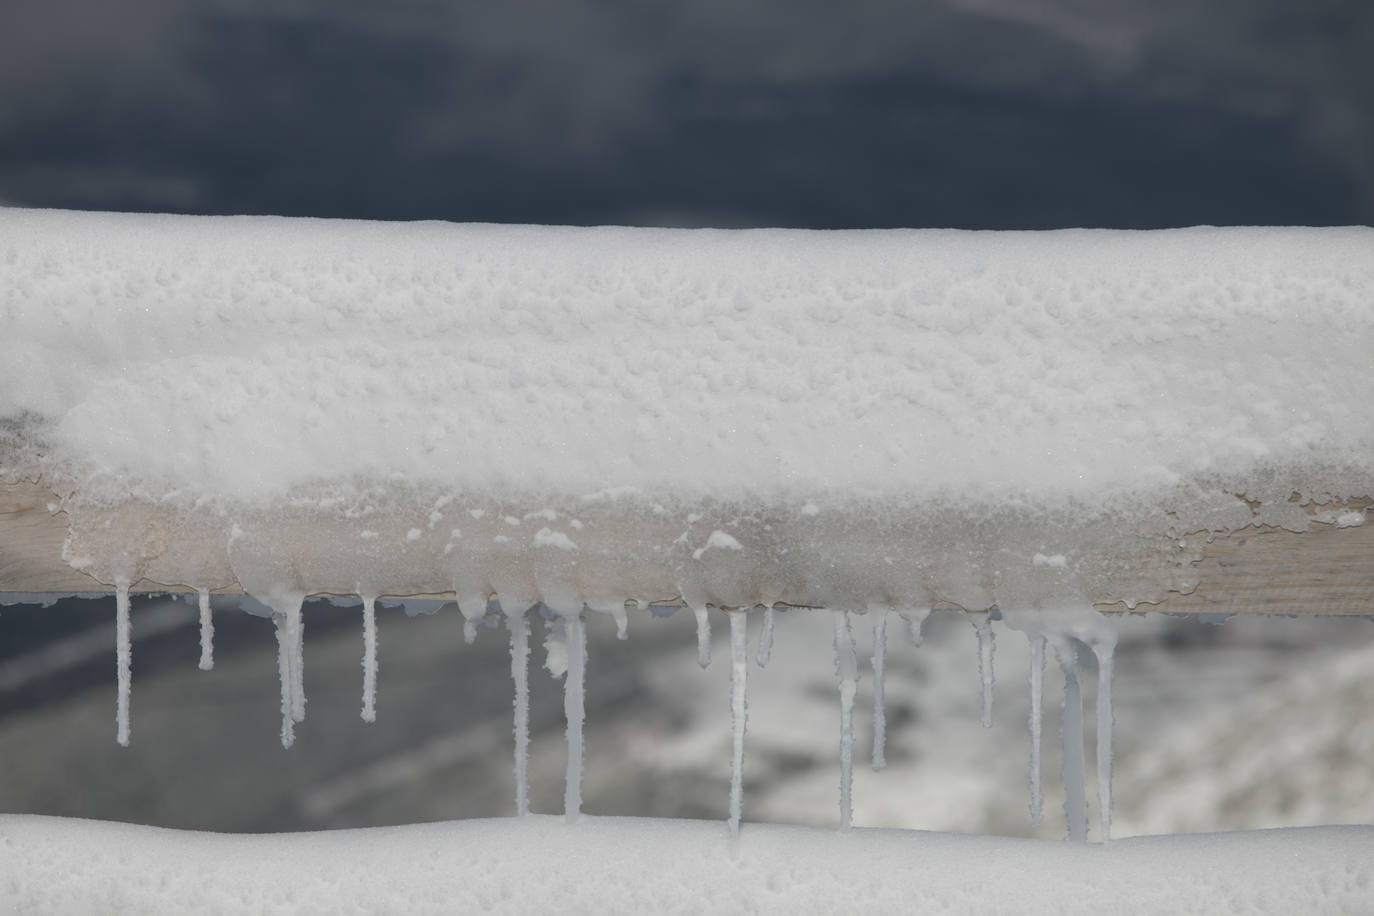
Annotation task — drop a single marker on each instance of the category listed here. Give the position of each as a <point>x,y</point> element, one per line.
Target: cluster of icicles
<point>1062,641</point>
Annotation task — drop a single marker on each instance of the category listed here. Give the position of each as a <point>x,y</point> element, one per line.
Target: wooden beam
<point>1254,570</point>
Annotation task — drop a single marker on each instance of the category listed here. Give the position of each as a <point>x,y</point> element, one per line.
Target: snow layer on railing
<point>582,416</point>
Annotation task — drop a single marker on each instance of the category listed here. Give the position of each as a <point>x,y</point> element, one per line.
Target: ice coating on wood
<point>207,630</point>
<point>123,661</point>
<point>847,673</point>
<point>816,418</point>
<point>739,712</point>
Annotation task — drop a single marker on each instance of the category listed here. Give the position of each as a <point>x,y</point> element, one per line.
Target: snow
<point>734,418</point>
<point>628,865</point>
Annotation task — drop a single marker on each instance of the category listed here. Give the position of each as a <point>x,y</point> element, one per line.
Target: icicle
<point>284,654</point>
<point>739,712</point>
<point>295,626</point>
<point>622,621</point>
<point>575,712</point>
<point>519,626</point>
<point>123,660</point>
<point>983,625</point>
<point>766,638</point>
<point>847,671</point>
<point>879,616</point>
<point>1105,652</point>
<point>915,620</point>
<point>1037,695</point>
<point>1071,737</point>
<point>207,632</point>
<point>369,712</point>
<point>703,636</point>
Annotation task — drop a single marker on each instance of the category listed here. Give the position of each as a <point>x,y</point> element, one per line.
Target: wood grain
<point>1255,570</point>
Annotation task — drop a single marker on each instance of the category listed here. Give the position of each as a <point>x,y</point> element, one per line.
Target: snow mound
<point>626,865</point>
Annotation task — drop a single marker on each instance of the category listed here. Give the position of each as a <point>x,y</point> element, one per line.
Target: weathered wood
<point>1254,570</point>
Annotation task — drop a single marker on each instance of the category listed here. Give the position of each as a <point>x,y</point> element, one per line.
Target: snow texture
<point>582,416</point>
<point>627,865</point>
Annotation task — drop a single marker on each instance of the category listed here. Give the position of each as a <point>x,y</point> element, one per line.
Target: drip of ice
<point>915,620</point>
<point>703,636</point>
<point>296,627</point>
<point>1105,652</point>
<point>847,671</point>
<point>369,712</point>
<point>983,626</point>
<point>766,637</point>
<point>1071,735</point>
<point>575,712</point>
<point>123,660</point>
<point>1037,696</point>
<point>622,621</point>
<point>739,712</point>
<point>878,614</point>
<point>288,728</point>
<point>519,626</point>
<point>207,631</point>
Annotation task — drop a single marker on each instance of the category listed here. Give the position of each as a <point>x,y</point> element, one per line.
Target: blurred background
<point>1259,722</point>
<point>812,113</point>
<point>1032,114</point>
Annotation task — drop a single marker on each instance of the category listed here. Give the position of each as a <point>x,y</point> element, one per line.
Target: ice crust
<point>581,416</point>
<point>627,865</point>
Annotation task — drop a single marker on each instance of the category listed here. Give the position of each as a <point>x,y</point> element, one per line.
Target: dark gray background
<point>864,113</point>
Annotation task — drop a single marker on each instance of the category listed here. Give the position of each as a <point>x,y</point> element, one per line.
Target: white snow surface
<point>466,394</point>
<point>631,865</point>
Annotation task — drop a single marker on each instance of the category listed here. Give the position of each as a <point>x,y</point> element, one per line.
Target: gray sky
<point>973,113</point>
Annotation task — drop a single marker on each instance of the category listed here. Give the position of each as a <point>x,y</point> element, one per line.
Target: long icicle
<point>1105,653</point>
<point>739,712</point>
<point>295,626</point>
<point>574,710</point>
<point>766,637</point>
<point>986,644</point>
<point>703,636</point>
<point>123,660</point>
<point>284,654</point>
<point>519,626</point>
<point>207,631</point>
<point>847,671</point>
<point>1037,712</point>
<point>369,712</point>
<point>1071,735</point>
<point>879,615</point>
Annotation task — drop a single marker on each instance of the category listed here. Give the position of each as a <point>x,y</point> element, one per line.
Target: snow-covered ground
<point>626,865</point>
